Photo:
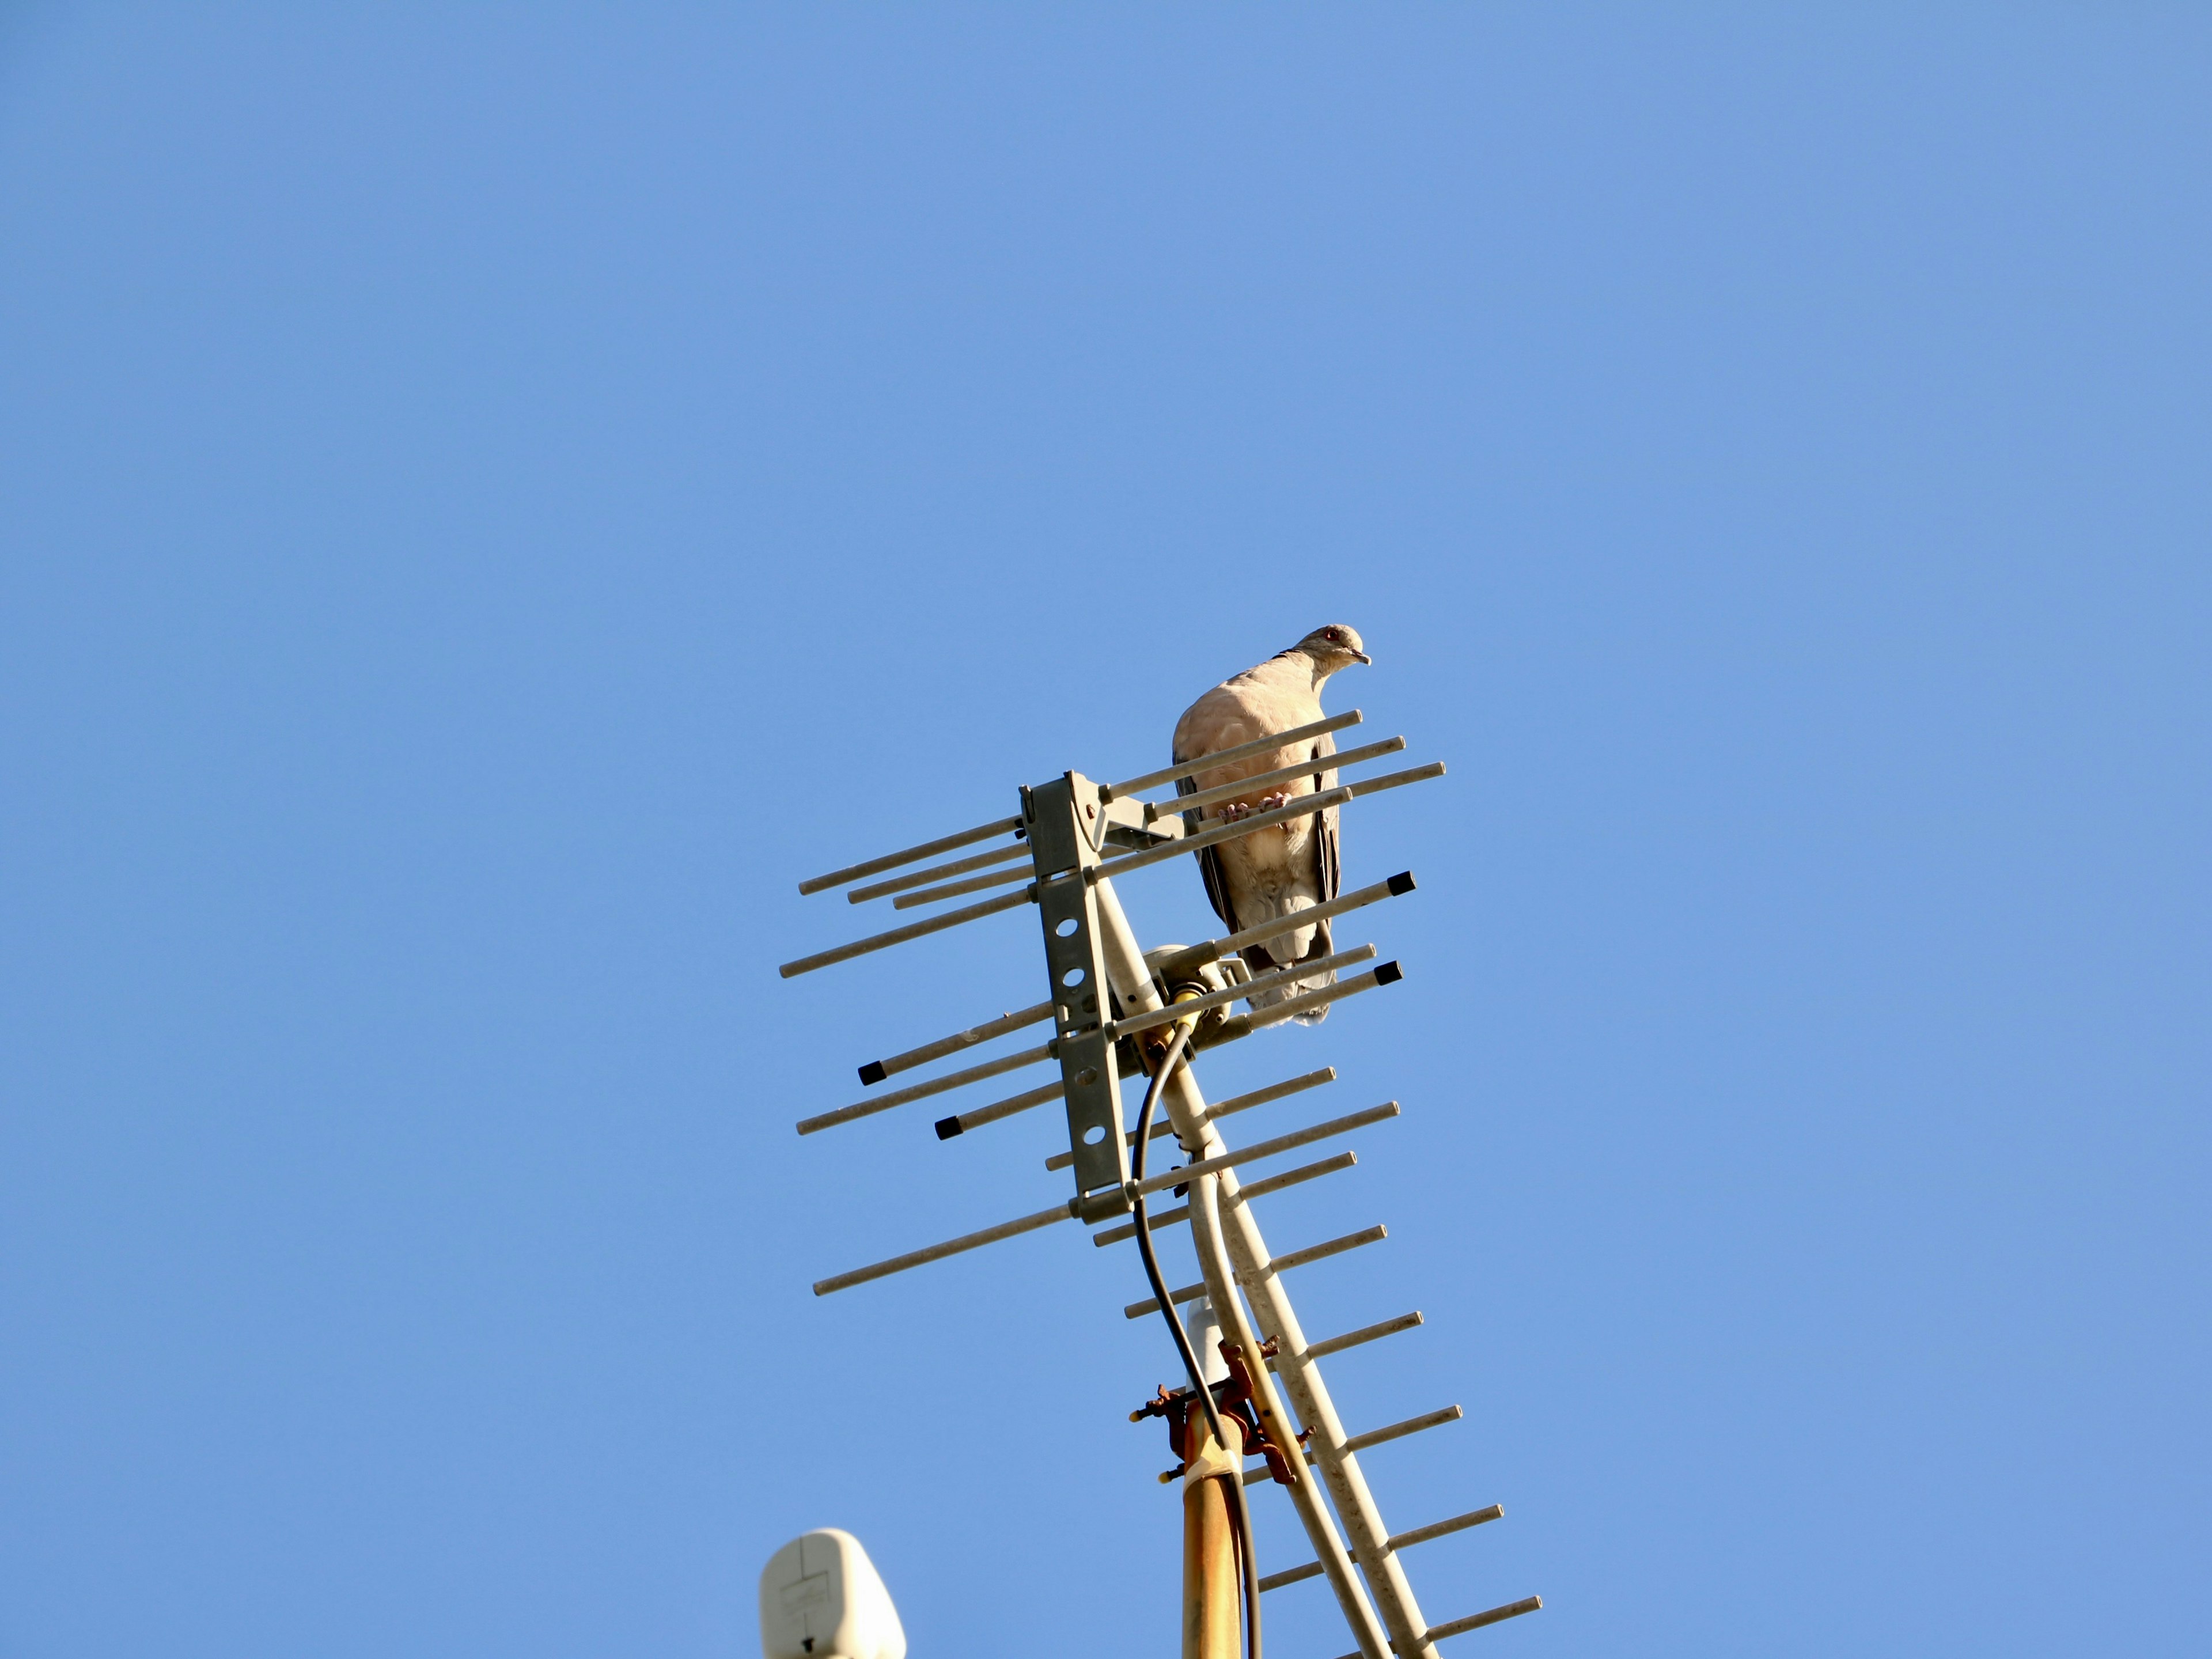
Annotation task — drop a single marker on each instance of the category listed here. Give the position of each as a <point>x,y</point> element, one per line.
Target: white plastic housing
<point>1204,1329</point>
<point>820,1599</point>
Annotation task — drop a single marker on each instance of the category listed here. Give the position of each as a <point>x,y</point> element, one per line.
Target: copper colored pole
<point>1212,1621</point>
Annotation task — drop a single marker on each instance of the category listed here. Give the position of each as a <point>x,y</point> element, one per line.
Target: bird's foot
<point>1237,810</point>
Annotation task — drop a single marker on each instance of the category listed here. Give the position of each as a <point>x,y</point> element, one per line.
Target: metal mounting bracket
<point>1067,822</point>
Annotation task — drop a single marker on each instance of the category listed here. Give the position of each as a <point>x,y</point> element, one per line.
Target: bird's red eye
<point>1334,635</point>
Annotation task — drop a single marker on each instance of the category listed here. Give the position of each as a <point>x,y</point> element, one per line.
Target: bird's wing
<point>1209,863</point>
<point>1329,870</point>
<point>1325,846</point>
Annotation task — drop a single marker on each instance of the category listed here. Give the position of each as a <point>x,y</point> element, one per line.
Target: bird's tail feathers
<point>1284,950</point>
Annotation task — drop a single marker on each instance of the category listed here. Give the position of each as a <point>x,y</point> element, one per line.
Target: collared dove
<point>1274,872</point>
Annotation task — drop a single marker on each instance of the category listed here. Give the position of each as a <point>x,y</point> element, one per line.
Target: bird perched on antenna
<point>1277,872</point>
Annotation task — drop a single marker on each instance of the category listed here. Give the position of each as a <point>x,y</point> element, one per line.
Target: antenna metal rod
<point>1020,849</point>
<point>1268,1095</point>
<point>936,1086</point>
<point>1228,756</point>
<point>1321,1350</point>
<point>1160,1219</point>
<point>1360,1443</point>
<point>1477,1620</point>
<point>1403,1541</point>
<point>877,1070</point>
<point>1304,1172</point>
<point>899,1264</point>
<point>1260,1149</point>
<point>1242,786</point>
<point>1290,1576</point>
<point>1242,1025</point>
<point>1197,955</point>
<point>1149,1305</point>
<point>955,888</point>
<point>1374,1234</point>
<point>1394,779</point>
<point>1168,1016</point>
<point>1295,1259</point>
<point>961,1122</point>
<point>949,1127</point>
<point>1304,807</point>
<point>927,849</point>
<point>861,947</point>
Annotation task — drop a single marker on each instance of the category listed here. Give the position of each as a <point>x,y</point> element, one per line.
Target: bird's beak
<point>1365,658</point>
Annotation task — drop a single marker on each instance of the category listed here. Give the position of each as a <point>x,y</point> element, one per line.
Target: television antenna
<point>1117,1011</point>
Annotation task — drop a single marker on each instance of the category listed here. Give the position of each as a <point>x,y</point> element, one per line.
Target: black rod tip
<point>947,1128</point>
<point>1389,974</point>
<point>1400,883</point>
<point>873,1073</point>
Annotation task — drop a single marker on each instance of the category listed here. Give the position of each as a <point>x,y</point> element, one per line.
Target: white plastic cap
<point>1203,1329</point>
<point>820,1599</point>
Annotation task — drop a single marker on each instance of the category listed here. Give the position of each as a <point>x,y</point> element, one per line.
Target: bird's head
<point>1333,647</point>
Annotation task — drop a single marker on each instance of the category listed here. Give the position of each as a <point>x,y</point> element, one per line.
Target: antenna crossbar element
<point>927,849</point>
<point>1229,756</point>
<point>1360,1443</point>
<point>1160,1184</point>
<point>1477,1620</point>
<point>937,924</point>
<point>956,889</point>
<point>1365,1333</point>
<point>960,1122</point>
<point>1304,1172</point>
<point>1398,1541</point>
<point>1388,973</point>
<point>899,1264</point>
<point>1267,1097</point>
<point>1199,1005</point>
<point>1405,1541</point>
<point>936,1086</point>
<point>1304,807</point>
<point>938,872</point>
<point>1154,811</point>
<point>1168,964</point>
<point>1436,1420</point>
<point>1312,1253</point>
<point>877,1070</point>
<point>1252,1154</point>
<point>1260,1149</point>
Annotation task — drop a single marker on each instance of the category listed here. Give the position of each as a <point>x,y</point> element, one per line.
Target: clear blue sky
<point>488,502</point>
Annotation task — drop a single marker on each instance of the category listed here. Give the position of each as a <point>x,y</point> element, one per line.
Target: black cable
<point>1144,1237</point>
<point>1241,1507</point>
<point>1250,1563</point>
